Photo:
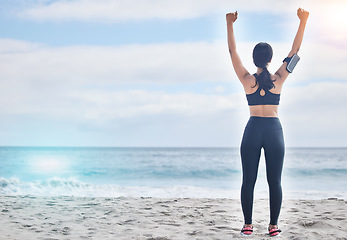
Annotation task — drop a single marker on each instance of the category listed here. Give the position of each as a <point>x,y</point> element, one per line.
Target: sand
<point>33,217</point>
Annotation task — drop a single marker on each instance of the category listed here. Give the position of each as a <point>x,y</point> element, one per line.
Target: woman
<point>263,129</point>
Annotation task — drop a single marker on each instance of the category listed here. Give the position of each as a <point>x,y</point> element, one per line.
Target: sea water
<point>309,173</point>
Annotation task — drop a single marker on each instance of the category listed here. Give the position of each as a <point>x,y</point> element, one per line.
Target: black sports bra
<point>268,99</point>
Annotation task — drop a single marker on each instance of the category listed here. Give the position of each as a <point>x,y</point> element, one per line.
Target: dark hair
<point>262,55</point>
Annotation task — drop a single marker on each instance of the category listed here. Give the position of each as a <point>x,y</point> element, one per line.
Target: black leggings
<point>262,132</point>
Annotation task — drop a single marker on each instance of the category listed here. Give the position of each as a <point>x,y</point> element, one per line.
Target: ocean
<point>309,173</point>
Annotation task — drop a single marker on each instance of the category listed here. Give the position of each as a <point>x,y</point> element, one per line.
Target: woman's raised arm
<point>240,70</point>
<point>303,16</point>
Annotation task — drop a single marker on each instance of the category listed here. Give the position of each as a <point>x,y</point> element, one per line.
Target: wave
<point>163,172</point>
<point>73,187</point>
<point>326,172</point>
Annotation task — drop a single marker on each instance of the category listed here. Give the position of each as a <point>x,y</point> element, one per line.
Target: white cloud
<point>80,84</point>
<point>57,81</point>
<point>327,22</point>
<point>120,10</point>
<point>62,75</point>
<point>316,114</point>
<point>312,115</point>
<point>319,61</point>
<point>24,63</point>
<point>11,46</point>
<point>219,89</point>
<point>103,106</point>
<point>83,65</point>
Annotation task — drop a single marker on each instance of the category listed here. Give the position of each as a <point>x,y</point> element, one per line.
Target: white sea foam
<point>74,187</point>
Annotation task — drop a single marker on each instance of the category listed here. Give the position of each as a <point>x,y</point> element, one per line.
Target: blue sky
<point>157,73</point>
<point>149,31</point>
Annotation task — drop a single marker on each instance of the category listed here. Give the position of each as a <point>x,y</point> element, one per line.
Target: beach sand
<point>31,217</point>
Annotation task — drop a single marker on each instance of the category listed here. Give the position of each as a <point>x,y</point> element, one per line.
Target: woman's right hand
<point>231,17</point>
<point>302,14</point>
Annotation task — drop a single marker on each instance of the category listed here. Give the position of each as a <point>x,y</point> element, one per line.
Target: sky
<point>157,73</point>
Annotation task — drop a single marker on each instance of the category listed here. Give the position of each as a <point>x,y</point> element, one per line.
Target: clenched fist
<point>231,17</point>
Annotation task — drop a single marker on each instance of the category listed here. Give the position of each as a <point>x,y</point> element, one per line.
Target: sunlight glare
<point>336,18</point>
<point>49,164</point>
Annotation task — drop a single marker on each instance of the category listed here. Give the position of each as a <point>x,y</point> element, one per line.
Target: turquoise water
<point>163,172</point>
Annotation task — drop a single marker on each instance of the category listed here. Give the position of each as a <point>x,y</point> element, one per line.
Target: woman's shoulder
<point>249,84</point>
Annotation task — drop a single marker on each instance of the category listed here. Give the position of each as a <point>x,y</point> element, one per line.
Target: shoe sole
<point>244,234</point>
<point>275,235</point>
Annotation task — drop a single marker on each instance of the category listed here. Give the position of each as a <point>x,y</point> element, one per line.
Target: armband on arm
<point>291,62</point>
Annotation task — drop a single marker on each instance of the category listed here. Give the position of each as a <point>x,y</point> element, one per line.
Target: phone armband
<point>291,62</point>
